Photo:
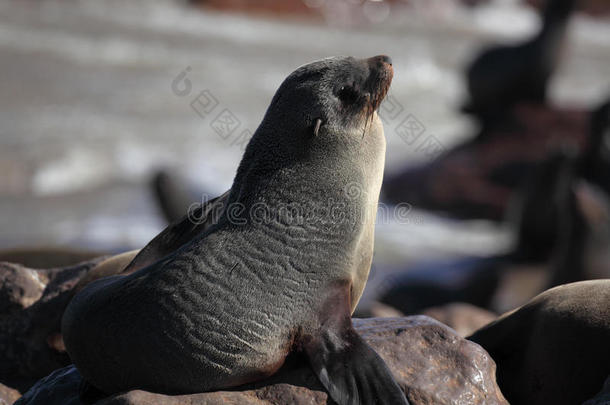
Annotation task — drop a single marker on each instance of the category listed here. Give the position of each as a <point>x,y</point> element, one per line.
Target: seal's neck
<point>326,185</point>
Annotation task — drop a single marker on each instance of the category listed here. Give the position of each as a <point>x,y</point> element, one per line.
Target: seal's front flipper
<point>352,372</point>
<point>346,365</point>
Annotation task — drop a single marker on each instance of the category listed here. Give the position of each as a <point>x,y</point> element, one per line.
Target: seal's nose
<point>379,60</point>
<point>386,59</point>
<point>380,76</point>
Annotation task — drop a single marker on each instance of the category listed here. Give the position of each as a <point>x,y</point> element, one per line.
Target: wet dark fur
<point>554,350</point>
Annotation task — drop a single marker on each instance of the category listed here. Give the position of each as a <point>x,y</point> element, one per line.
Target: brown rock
<point>32,303</point>
<point>8,395</point>
<point>463,318</point>
<point>432,363</point>
<point>429,360</point>
<point>20,287</point>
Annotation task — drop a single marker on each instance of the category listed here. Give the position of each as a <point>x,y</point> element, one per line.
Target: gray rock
<point>20,287</point>
<point>32,303</point>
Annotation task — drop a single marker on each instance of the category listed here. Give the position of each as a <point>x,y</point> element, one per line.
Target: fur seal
<point>172,195</point>
<point>502,76</point>
<point>545,199</point>
<point>594,164</point>
<point>553,350</point>
<point>220,305</point>
<point>561,224</point>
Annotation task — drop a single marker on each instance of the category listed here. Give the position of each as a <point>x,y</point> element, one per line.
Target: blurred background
<point>106,106</point>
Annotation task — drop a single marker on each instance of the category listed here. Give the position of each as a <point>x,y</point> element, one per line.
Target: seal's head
<point>321,130</point>
<point>330,96</point>
<point>343,90</point>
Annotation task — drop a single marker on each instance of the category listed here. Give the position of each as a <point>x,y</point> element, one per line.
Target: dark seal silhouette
<point>594,164</point>
<point>502,76</point>
<point>279,270</point>
<point>557,217</point>
<point>553,350</point>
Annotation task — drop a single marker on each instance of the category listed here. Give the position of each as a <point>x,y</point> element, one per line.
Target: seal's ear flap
<point>346,365</point>
<point>316,128</point>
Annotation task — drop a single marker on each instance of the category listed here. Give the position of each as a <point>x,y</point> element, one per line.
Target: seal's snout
<point>381,72</point>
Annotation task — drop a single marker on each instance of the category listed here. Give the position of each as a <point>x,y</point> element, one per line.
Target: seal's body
<point>503,76</point>
<point>280,270</point>
<point>594,163</point>
<point>554,349</point>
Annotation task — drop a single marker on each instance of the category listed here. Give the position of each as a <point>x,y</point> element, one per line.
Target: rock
<point>463,318</point>
<point>8,395</point>
<point>20,287</point>
<point>603,398</point>
<point>553,350</point>
<point>32,303</point>
<point>432,363</point>
<point>429,360</point>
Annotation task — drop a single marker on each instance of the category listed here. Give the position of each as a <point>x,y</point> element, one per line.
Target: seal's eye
<point>348,94</point>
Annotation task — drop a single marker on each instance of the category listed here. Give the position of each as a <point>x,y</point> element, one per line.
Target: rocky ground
<point>432,362</point>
